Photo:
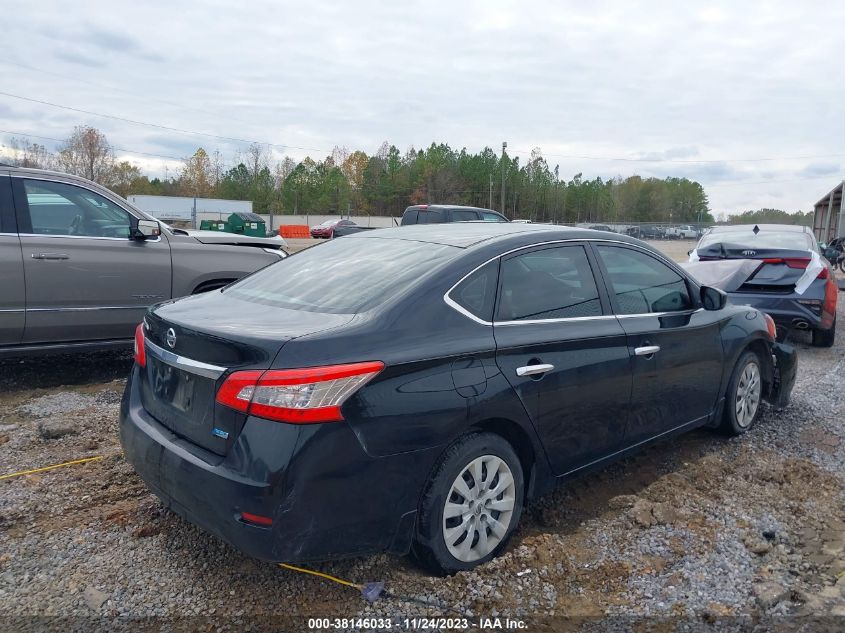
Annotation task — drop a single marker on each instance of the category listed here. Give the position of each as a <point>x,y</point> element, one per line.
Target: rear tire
<point>478,487</point>
<point>745,391</point>
<point>825,338</point>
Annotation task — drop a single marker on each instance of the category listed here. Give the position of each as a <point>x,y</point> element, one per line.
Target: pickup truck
<point>79,265</point>
<point>685,232</point>
<point>433,214</point>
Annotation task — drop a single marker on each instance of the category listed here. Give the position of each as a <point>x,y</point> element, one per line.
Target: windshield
<point>343,276</point>
<point>764,239</point>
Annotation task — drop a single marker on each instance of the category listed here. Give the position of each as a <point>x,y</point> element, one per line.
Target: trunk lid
<point>778,272</point>
<point>191,346</point>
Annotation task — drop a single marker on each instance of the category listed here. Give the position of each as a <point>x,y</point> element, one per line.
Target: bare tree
<point>23,153</point>
<point>217,165</point>
<point>256,159</point>
<point>87,153</point>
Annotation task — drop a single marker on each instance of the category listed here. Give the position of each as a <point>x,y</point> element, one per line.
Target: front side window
<point>56,208</point>
<point>553,283</point>
<point>643,284</point>
<point>492,217</point>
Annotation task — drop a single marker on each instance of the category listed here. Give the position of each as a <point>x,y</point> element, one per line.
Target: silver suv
<point>79,265</point>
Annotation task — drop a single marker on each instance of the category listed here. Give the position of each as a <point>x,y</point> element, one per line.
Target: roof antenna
<point>756,229</point>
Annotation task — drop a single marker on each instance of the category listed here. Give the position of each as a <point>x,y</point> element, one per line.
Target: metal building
<point>828,220</point>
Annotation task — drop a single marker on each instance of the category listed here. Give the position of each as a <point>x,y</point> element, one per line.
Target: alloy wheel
<point>479,508</point>
<point>747,395</point>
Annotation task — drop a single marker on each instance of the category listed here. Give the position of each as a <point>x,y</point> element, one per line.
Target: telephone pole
<point>504,147</point>
<point>490,203</point>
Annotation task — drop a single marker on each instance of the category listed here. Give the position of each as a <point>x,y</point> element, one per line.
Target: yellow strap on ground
<point>41,470</point>
<point>340,581</point>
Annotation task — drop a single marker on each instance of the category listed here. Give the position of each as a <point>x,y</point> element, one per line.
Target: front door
<point>563,353</point>
<point>676,346</point>
<point>85,278</point>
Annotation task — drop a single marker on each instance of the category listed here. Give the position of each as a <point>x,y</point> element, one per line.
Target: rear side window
<point>343,276</point>
<point>553,283</point>
<point>643,284</point>
<point>409,217</point>
<point>761,240</point>
<point>463,215</point>
<point>477,293</point>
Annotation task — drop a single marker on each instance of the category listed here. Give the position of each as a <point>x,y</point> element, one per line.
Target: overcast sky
<point>712,82</point>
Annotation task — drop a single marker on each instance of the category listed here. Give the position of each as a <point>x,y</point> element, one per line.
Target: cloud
<point>821,169</point>
<point>80,59</point>
<point>702,81</point>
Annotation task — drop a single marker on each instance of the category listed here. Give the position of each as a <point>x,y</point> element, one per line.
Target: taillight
<point>300,396</point>
<point>770,325</point>
<point>800,263</point>
<point>140,352</point>
<point>256,519</point>
<point>831,293</point>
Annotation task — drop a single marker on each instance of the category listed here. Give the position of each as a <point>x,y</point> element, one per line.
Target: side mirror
<point>713,298</point>
<point>146,229</point>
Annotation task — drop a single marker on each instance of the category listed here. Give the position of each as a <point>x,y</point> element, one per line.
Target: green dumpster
<point>212,225</point>
<point>246,224</point>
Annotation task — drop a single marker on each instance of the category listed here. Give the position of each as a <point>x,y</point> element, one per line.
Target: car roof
<point>424,207</point>
<point>739,228</point>
<point>469,234</point>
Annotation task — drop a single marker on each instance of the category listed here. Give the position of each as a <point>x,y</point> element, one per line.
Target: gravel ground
<point>701,526</point>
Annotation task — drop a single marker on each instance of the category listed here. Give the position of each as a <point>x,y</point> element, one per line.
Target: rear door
<point>675,345</point>
<point>563,352</point>
<point>12,296</point>
<point>85,278</point>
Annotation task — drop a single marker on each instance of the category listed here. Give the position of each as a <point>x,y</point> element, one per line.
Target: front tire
<point>471,505</point>
<point>745,391</point>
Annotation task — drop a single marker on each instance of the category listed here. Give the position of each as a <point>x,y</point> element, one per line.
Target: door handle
<point>50,256</point>
<point>533,370</point>
<point>647,350</point>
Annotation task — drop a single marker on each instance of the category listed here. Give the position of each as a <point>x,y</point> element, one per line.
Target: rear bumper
<point>328,499</point>
<point>790,311</point>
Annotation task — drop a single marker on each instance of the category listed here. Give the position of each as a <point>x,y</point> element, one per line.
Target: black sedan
<point>409,389</point>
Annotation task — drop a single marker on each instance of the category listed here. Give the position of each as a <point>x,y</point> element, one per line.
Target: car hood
<point>219,237</point>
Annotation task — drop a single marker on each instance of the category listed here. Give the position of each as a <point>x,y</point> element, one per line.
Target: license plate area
<point>182,401</point>
<point>173,386</point>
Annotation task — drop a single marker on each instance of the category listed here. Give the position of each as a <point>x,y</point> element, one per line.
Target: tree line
<point>386,182</point>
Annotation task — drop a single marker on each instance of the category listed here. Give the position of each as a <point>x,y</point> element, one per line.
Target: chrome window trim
<point>185,364</point>
<point>86,237</point>
<point>88,308</point>
<point>455,306</point>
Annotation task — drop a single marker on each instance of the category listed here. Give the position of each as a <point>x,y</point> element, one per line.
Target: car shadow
<point>45,372</point>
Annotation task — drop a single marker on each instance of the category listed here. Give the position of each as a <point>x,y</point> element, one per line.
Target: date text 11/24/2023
<point>417,624</point>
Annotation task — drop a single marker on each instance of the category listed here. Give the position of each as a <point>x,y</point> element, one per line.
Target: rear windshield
<point>763,239</point>
<point>343,276</point>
